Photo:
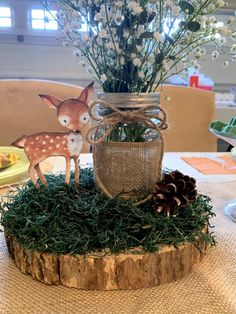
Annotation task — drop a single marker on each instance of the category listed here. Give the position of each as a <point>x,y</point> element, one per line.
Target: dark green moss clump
<point>65,219</point>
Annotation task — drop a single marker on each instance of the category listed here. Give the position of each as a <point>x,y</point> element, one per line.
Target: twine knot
<point>152,116</point>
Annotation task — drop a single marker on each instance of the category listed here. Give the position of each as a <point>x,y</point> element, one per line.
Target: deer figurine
<point>73,115</point>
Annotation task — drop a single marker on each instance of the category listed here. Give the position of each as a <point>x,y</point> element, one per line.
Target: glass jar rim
<point>130,100</point>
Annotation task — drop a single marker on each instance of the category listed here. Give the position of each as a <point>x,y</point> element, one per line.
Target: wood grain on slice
<point>110,272</point>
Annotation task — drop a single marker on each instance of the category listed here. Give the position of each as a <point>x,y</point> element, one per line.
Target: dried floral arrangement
<point>135,46</point>
<point>65,219</point>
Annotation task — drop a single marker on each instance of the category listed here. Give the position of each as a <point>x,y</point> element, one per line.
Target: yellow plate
<point>16,172</point>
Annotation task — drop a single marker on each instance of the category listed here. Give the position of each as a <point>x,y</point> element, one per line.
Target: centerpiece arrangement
<point>128,224</point>
<point>131,48</point>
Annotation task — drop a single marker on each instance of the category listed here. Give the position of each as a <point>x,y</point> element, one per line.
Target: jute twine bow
<point>152,116</point>
<point>117,116</point>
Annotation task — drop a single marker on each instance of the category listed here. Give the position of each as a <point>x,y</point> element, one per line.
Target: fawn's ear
<point>51,101</point>
<point>87,93</point>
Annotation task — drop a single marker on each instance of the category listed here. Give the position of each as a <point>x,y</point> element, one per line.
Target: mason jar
<point>128,131</point>
<point>128,162</point>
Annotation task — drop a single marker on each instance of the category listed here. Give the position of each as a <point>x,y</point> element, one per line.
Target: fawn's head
<point>72,113</point>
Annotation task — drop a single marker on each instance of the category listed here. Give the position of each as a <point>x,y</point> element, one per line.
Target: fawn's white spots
<point>47,136</point>
<point>74,143</point>
<point>43,142</point>
<point>50,147</point>
<point>58,145</point>
<point>32,143</point>
<point>37,138</point>
<point>51,140</point>
<point>27,149</point>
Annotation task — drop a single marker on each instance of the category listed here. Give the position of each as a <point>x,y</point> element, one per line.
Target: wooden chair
<point>190,112</point>
<point>23,112</point>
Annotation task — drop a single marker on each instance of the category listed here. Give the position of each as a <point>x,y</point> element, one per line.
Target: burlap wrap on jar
<point>127,169</point>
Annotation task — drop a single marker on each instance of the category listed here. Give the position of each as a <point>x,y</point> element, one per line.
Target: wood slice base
<point>110,272</point>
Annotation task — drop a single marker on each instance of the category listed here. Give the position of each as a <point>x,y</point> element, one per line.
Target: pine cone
<point>175,190</point>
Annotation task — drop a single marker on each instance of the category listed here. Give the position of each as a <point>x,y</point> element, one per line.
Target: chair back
<point>24,113</point>
<point>189,113</point>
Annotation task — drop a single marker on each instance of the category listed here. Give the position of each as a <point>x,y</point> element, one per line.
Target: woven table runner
<point>211,288</point>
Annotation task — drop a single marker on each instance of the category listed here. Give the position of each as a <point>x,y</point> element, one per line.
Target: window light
<point>41,19</point>
<point>5,17</point>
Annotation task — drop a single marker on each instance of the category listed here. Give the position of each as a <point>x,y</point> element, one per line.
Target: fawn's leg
<point>77,170</point>
<point>40,175</point>
<point>32,175</point>
<point>67,178</point>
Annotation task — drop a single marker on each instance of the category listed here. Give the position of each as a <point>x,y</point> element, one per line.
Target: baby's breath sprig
<point>135,46</point>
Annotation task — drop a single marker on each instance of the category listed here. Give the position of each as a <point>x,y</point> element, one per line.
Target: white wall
<point>46,62</point>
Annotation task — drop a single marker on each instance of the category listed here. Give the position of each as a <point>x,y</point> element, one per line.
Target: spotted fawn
<point>73,115</point>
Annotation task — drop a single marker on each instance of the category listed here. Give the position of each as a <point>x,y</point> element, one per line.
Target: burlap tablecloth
<point>211,288</point>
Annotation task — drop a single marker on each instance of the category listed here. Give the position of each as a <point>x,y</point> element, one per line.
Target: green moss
<point>66,219</point>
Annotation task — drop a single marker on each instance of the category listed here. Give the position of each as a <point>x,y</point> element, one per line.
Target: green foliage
<point>64,219</point>
<point>133,132</point>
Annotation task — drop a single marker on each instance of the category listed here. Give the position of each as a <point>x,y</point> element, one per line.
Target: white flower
<point>157,36</point>
<point>176,10</point>
<point>140,30</point>
<point>119,4</point>
<point>220,3</point>
<point>211,7</point>
<point>82,63</point>
<point>212,19</point>
<point>126,34</point>
<point>65,43</point>
<point>169,3</point>
<point>196,66</point>
<point>76,52</point>
<point>103,34</point>
<point>90,70</point>
<point>230,20</point>
<point>122,60</point>
<point>139,48</point>
<point>165,65</point>
<point>222,41</point>
<point>215,55</point>
<point>98,16</point>
<point>137,10</point>
<point>224,31</point>
<point>137,62</point>
<point>99,41</point>
<point>132,4</point>
<point>85,37</point>
<point>225,64</point>
<point>110,45</point>
<point>233,48</point>
<point>134,7</point>
<point>141,75</point>
<point>67,28</point>
<point>103,78</point>
<point>203,51</point>
<point>150,60</point>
